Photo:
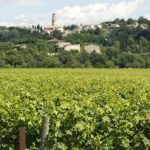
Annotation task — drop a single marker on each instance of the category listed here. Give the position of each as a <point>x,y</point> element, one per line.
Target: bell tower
<point>53,19</point>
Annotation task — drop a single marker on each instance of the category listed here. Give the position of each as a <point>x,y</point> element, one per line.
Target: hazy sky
<point>27,12</point>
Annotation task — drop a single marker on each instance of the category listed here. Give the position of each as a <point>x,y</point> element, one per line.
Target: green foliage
<point>131,60</point>
<point>83,38</point>
<point>56,34</point>
<point>71,27</point>
<point>112,52</point>
<point>123,47</point>
<point>88,109</point>
<point>143,20</point>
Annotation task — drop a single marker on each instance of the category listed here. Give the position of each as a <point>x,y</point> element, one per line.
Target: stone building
<point>71,47</point>
<point>144,26</point>
<point>62,44</point>
<point>113,26</point>
<point>67,46</point>
<point>91,48</point>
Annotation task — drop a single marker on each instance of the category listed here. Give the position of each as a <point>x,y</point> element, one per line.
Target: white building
<point>91,48</point>
<point>67,32</point>
<point>67,46</point>
<point>71,47</point>
<point>115,26</point>
<point>62,44</point>
<point>91,27</point>
<point>52,28</point>
<point>144,26</point>
<point>100,26</point>
<point>134,25</point>
<point>54,41</point>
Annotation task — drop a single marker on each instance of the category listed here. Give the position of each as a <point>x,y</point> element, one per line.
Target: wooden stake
<point>45,130</point>
<point>22,139</point>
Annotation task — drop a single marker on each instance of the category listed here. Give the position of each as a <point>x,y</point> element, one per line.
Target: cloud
<point>42,19</point>
<point>88,14</point>
<point>147,16</point>
<point>22,2</point>
<point>99,12</point>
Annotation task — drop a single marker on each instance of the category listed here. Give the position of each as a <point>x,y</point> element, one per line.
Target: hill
<point>123,44</point>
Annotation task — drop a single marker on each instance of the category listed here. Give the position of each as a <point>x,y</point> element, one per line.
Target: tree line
<point>122,47</point>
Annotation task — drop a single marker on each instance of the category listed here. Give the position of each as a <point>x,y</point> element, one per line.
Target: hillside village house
<point>91,27</point>
<point>67,46</point>
<point>70,47</point>
<point>133,25</point>
<point>49,30</point>
<point>115,26</point>
<point>144,26</point>
<point>91,48</point>
<point>67,32</point>
<point>53,41</point>
<point>62,44</point>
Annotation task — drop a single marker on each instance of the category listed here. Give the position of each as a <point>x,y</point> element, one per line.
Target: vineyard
<point>89,109</point>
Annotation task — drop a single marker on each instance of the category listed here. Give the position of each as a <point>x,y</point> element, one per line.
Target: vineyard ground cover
<point>89,109</point>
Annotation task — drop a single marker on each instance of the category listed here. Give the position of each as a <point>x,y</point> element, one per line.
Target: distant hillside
<point>123,44</point>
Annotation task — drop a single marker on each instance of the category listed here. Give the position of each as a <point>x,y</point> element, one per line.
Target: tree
<point>132,45</point>
<point>56,34</point>
<point>128,60</point>
<point>2,59</point>
<point>131,21</point>
<point>84,59</point>
<point>116,44</point>
<point>71,27</point>
<point>110,64</point>
<point>146,57</point>
<point>143,20</point>
<point>123,37</point>
<point>51,62</point>
<point>144,44</point>
<point>112,52</point>
<point>98,60</point>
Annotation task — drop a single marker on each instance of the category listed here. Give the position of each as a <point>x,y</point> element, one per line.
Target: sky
<point>32,12</point>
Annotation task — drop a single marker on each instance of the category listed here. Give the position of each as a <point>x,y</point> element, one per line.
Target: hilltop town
<point>106,27</point>
<point>112,44</point>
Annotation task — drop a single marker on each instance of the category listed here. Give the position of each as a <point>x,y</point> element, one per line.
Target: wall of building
<point>62,44</point>
<point>91,48</point>
<point>72,47</point>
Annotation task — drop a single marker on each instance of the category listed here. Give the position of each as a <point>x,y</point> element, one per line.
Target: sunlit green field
<point>89,109</point>
<point>77,73</point>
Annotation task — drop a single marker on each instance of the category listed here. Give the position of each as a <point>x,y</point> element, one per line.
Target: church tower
<point>53,19</point>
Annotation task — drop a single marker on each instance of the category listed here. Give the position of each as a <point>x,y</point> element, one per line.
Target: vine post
<point>44,132</point>
<point>22,138</point>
